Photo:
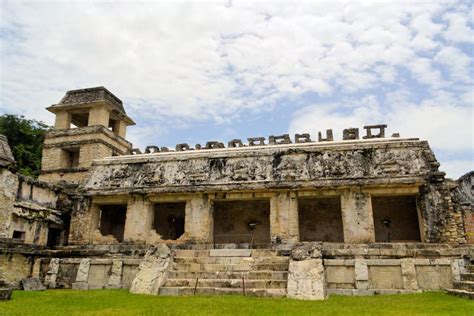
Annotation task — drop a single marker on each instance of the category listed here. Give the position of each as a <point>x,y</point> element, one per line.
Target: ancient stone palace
<point>301,216</point>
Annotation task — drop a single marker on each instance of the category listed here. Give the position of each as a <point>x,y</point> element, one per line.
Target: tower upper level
<point>90,124</point>
<point>90,107</point>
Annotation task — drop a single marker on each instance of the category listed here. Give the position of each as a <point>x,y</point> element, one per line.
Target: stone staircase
<point>465,287</point>
<point>257,272</point>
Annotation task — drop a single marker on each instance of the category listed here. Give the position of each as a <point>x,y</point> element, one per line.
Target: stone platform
<point>227,271</point>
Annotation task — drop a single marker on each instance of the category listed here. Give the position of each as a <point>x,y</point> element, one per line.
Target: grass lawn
<point>120,302</point>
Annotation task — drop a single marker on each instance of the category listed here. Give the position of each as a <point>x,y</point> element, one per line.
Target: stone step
<point>232,260</point>
<point>470,268</point>
<point>467,277</point>
<point>205,253</point>
<point>461,293</point>
<point>252,275</point>
<point>227,283</point>
<point>224,246</point>
<point>210,267</point>
<point>230,252</point>
<point>176,291</point>
<point>464,285</point>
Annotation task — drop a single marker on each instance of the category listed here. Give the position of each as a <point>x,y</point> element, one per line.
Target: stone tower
<point>90,124</point>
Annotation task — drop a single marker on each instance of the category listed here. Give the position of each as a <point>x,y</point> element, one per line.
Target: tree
<point>26,141</point>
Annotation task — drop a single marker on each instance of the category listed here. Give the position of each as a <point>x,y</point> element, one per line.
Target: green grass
<point>120,302</point>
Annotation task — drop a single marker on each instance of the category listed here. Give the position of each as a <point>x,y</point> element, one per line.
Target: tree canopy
<point>26,141</point>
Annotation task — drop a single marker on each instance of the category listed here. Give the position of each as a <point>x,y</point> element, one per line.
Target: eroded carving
<point>256,141</point>
<point>214,145</point>
<point>278,140</point>
<point>350,133</point>
<point>368,129</point>
<point>235,143</point>
<point>329,136</point>
<point>302,138</point>
<point>182,147</point>
<point>152,149</point>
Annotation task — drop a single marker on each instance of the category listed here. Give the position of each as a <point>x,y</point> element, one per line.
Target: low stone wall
<point>315,270</point>
<point>89,273</point>
<point>374,268</point>
<point>18,261</point>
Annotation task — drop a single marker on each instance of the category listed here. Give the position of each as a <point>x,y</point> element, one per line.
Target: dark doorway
<point>169,220</point>
<point>320,219</point>
<point>112,220</point>
<point>19,235</point>
<point>395,218</point>
<point>240,221</point>
<point>54,237</point>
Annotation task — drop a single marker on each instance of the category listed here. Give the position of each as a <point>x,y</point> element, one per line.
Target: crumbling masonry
<point>280,216</point>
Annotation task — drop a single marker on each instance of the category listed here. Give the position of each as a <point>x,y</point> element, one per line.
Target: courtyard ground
<point>120,302</point>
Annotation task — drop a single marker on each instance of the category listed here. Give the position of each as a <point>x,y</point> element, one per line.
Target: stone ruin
<point>276,216</point>
<point>348,134</point>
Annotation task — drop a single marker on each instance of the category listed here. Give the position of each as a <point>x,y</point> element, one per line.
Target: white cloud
<point>201,60</point>
<point>457,62</point>
<point>214,61</point>
<point>458,29</point>
<point>447,127</point>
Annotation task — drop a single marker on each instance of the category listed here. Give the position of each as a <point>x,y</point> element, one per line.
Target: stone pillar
<point>198,222</point>
<point>82,276</point>
<point>457,268</point>
<point>284,217</point>
<point>120,128</point>
<point>410,281</point>
<point>306,278</point>
<point>52,274</point>
<point>361,274</point>
<point>357,218</point>
<point>99,116</point>
<point>115,278</point>
<point>94,222</point>
<point>63,120</point>
<point>139,219</point>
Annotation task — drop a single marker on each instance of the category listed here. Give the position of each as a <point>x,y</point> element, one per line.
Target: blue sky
<point>218,70</point>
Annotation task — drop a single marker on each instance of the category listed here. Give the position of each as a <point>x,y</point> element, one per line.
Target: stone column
<point>99,116</point>
<point>357,218</point>
<point>361,274</point>
<point>284,217</point>
<point>82,276</point>
<point>115,278</point>
<point>410,281</point>
<point>457,268</point>
<point>139,219</point>
<point>63,120</point>
<point>121,128</point>
<point>198,222</point>
<point>52,274</point>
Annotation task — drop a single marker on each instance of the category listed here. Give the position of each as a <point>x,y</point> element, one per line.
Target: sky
<point>218,70</point>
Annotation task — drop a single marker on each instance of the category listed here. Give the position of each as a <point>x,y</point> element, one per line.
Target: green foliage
<point>120,302</point>
<point>26,141</point>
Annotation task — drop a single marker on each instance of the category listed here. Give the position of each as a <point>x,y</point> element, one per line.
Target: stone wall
<point>373,269</point>
<point>92,142</point>
<point>353,171</point>
<point>354,209</point>
<point>462,196</point>
<point>29,208</point>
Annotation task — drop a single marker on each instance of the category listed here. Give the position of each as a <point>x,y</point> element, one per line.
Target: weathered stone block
<point>153,271</point>
<point>306,280</point>
<point>32,284</point>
